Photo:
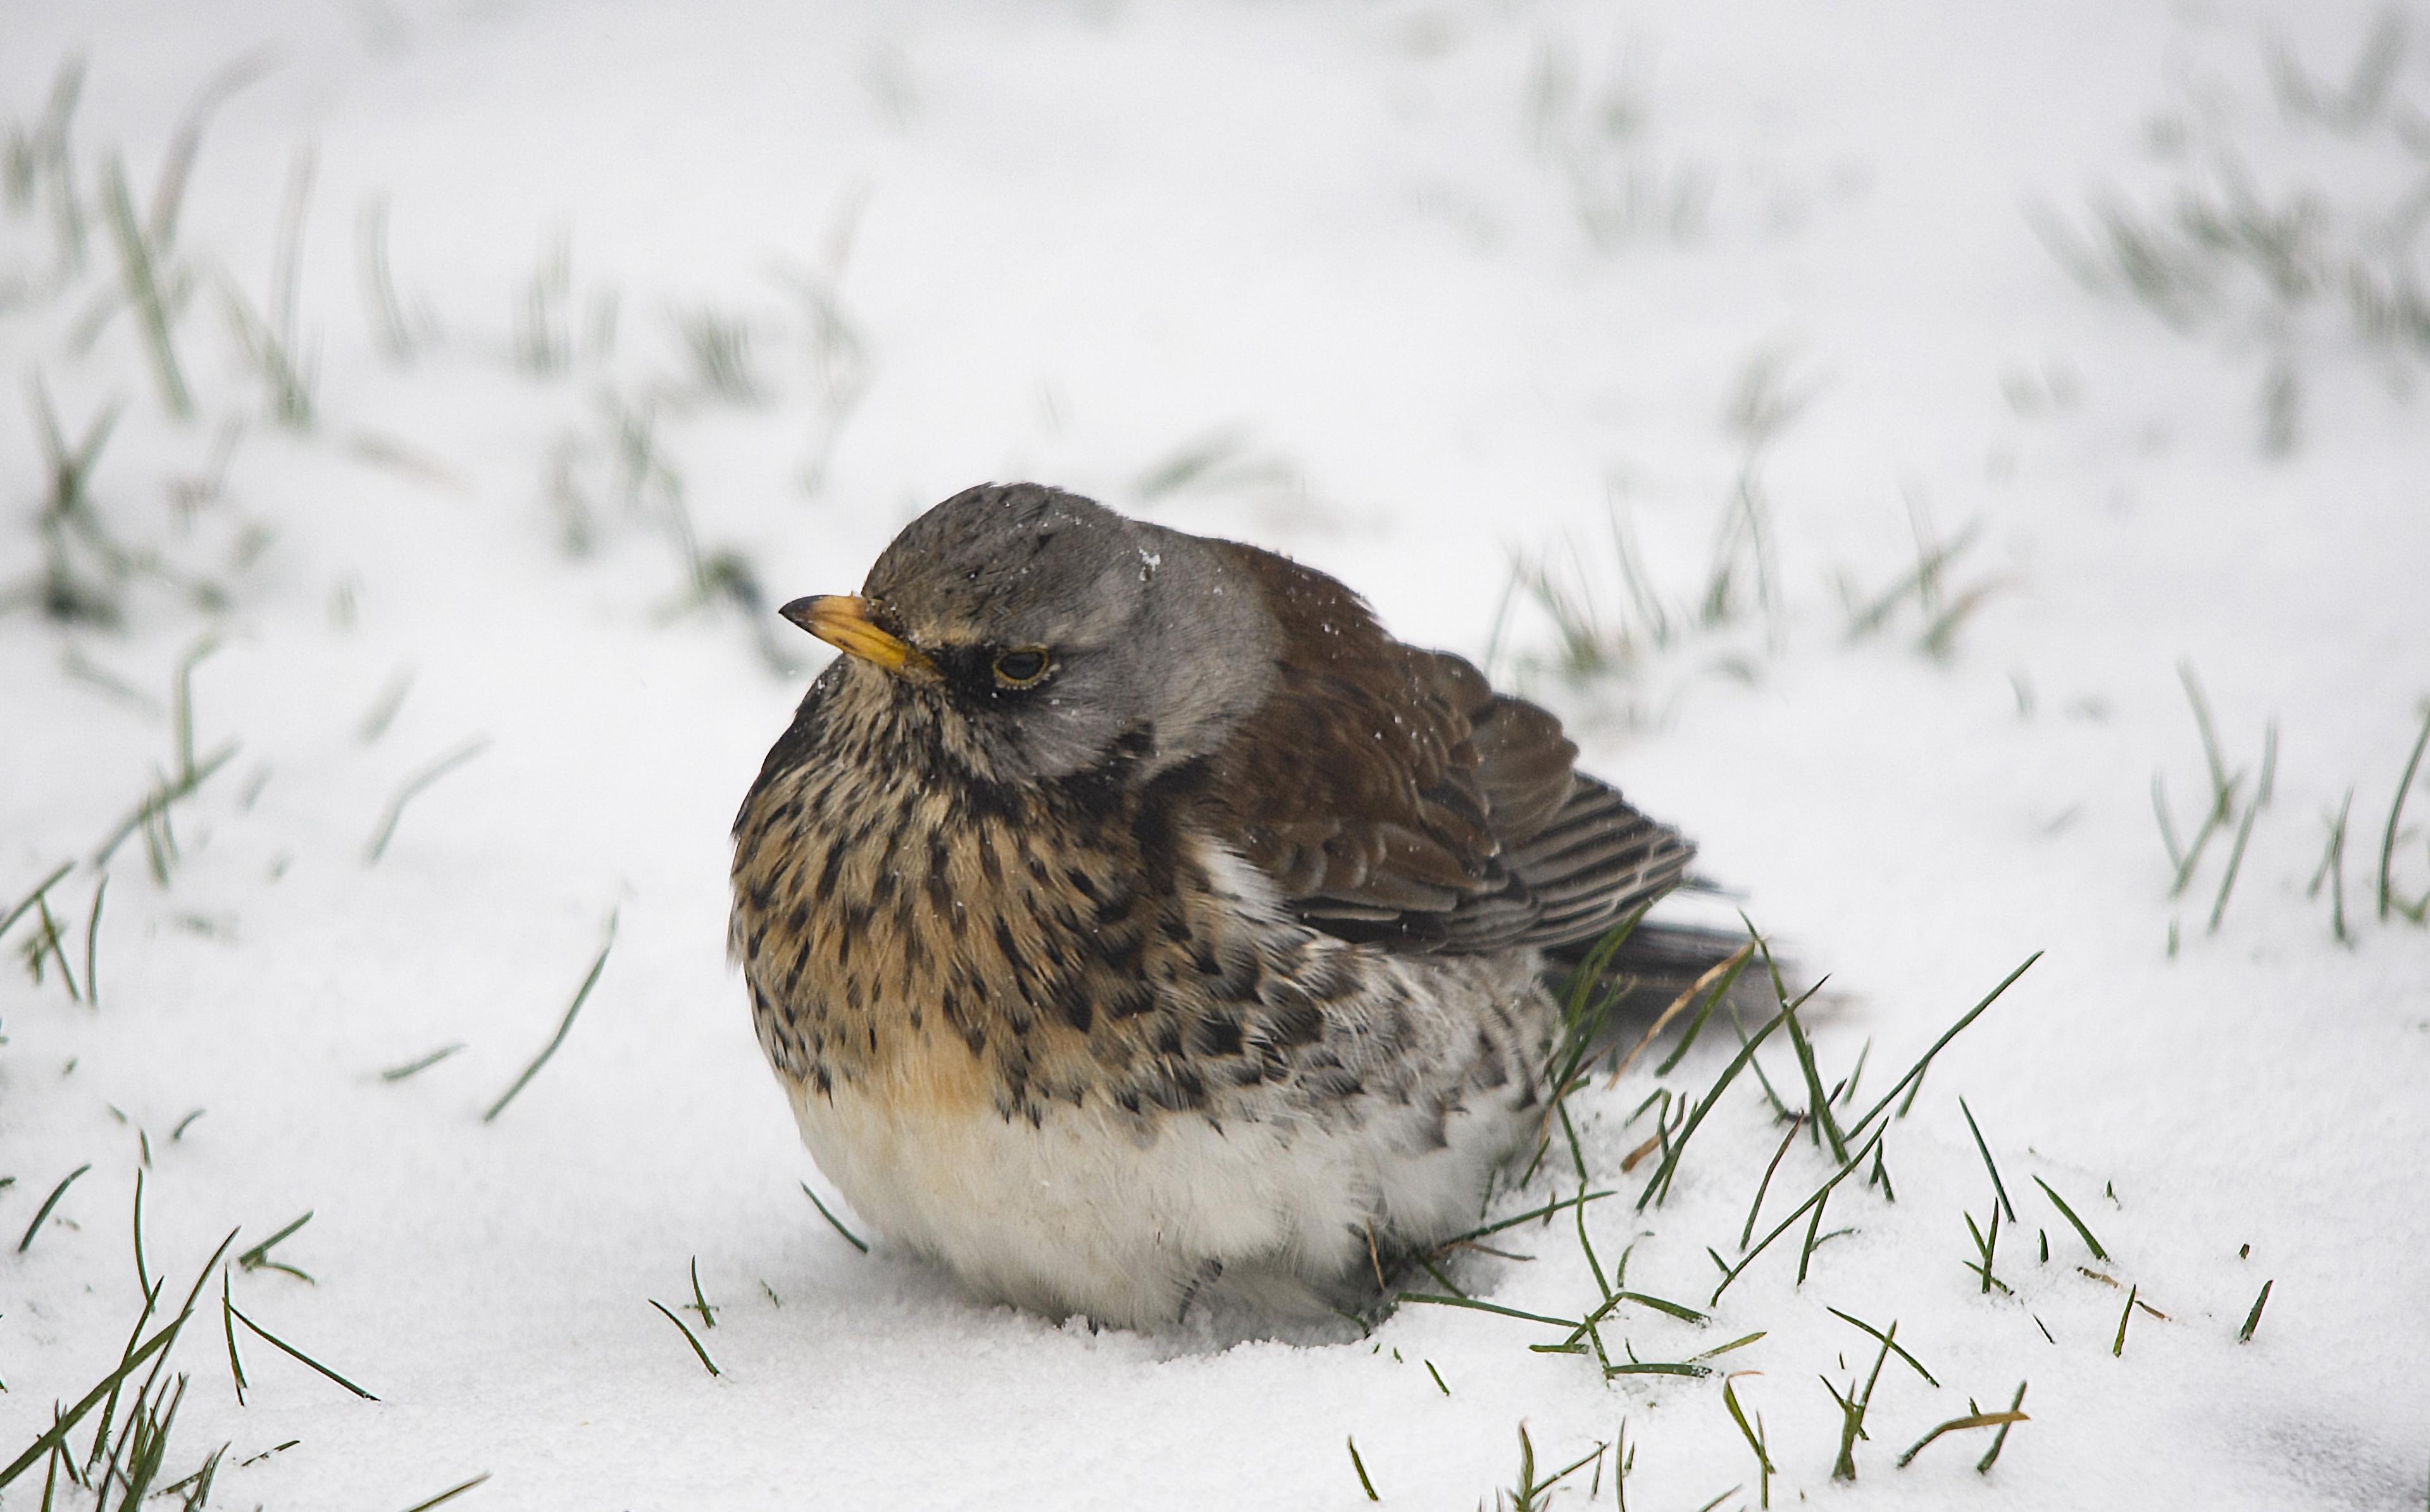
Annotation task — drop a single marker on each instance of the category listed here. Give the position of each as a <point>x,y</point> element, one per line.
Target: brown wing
<point>1394,797</point>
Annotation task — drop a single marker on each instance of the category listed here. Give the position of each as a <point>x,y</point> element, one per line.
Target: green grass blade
<point>1660,1181</point>
<point>413,1067</point>
<point>1475,1305</point>
<point>49,1202</point>
<point>52,1440</point>
<point>1895,1348</point>
<point>1999,1439</point>
<point>1729,971</point>
<point>1915,1073</point>
<point>1990,1165</point>
<point>1360,1466</point>
<point>2252,1319</point>
<point>707,1364</point>
<point>448,1495</point>
<point>298,1354</point>
<point>2069,1213</point>
<point>1821,1194</point>
<point>2396,817</point>
<point>18,910</point>
<point>1973,1419</point>
<point>582,994</point>
<point>850,1237</point>
<point>414,785</point>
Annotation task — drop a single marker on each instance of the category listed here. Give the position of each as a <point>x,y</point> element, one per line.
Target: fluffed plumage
<point>1130,917</point>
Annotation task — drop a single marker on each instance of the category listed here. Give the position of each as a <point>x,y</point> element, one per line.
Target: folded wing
<point>1394,797</point>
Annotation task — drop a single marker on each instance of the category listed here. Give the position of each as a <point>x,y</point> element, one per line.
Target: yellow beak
<point>848,623</point>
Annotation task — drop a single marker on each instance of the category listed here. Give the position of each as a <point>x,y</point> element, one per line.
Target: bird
<point>1135,925</point>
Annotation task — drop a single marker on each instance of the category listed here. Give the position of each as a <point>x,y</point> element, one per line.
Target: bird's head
<point>1043,633</point>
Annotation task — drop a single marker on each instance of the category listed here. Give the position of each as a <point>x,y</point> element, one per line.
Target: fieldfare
<point>1131,920</point>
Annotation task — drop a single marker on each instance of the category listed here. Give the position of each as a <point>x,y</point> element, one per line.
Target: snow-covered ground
<point>688,304</point>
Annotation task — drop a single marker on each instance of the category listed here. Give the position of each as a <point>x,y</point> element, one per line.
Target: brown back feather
<point>1394,797</point>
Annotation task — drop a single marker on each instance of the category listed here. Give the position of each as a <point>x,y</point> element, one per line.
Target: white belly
<point>1098,1212</point>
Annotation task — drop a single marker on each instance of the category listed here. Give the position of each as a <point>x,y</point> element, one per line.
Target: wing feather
<point>1394,797</point>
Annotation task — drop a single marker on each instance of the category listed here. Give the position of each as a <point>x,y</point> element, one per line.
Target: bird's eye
<point>1024,667</point>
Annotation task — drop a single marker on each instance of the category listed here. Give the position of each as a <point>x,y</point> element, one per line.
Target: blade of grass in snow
<point>2388,899</point>
<point>2222,803</point>
<point>197,1485</point>
<point>850,1237</point>
<point>1528,1217</point>
<point>1360,1466</point>
<point>1818,1104</point>
<point>258,1258</point>
<point>1529,1487</point>
<point>1997,1186</point>
<point>1764,1470</point>
<point>1895,1348</point>
<point>155,804</point>
<point>1915,1073</point>
<point>1586,1245</point>
<point>294,1353</point>
<point>143,1269</point>
<point>138,267</point>
<point>1989,1248</point>
<point>581,993</point>
<point>181,702</point>
<point>35,897</point>
<point>1441,1280</point>
<point>414,785</point>
<point>1821,1194</point>
<point>2069,1213</point>
<point>49,1202</point>
<point>707,1364</point>
<point>291,400</point>
<point>1973,1419</point>
<point>1755,1208</point>
<point>133,1357</point>
<point>2169,840</point>
<point>109,1404</point>
<point>1999,1439</point>
<point>135,1457</point>
<point>2125,1315</point>
<point>383,711</point>
<point>450,1494</point>
<point>1852,1408</point>
<point>1725,971</point>
<point>1682,1367</point>
<point>1685,1314</point>
<point>1740,1342</point>
<point>1813,1233</point>
<point>2252,1319</point>
<point>1475,1305</point>
<point>2244,828</point>
<point>411,1068</point>
<point>227,1325</point>
<point>2332,870</point>
<point>49,945</point>
<point>397,336</point>
<point>92,945</point>
<point>177,164</point>
<point>1660,1181</point>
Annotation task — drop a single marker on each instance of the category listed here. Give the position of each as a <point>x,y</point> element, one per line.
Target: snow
<point>1364,283</point>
